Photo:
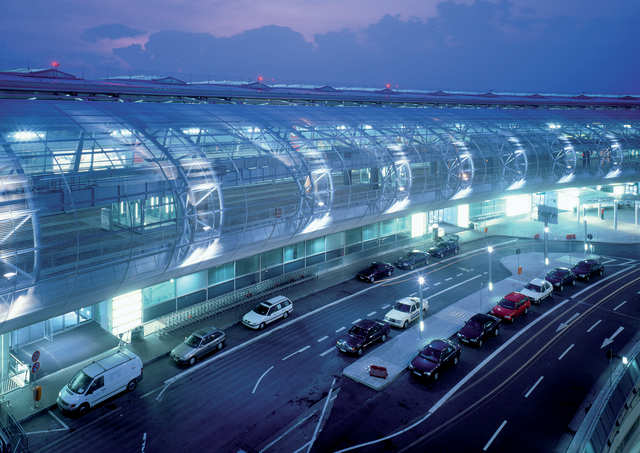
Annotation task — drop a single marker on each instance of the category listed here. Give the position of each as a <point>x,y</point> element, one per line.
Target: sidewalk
<point>397,352</point>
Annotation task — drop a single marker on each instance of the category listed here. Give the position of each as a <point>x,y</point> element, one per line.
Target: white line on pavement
<point>594,325</point>
<point>340,329</point>
<point>436,283</point>
<point>255,387</point>
<point>608,341</point>
<point>600,281</point>
<point>28,433</point>
<point>565,324</point>
<point>356,321</point>
<point>610,260</point>
<point>150,392</point>
<point>385,306</point>
<point>454,286</point>
<point>324,409</point>
<point>296,352</point>
<point>619,305</point>
<point>565,352</point>
<point>448,279</point>
<point>458,275</point>
<point>488,444</point>
<point>371,314</point>
<point>485,273</point>
<point>460,383</point>
<point>322,339</point>
<point>327,351</point>
<point>297,319</point>
<point>277,439</point>
<point>144,442</point>
<point>526,395</point>
<point>83,428</point>
<point>58,420</point>
<point>164,389</point>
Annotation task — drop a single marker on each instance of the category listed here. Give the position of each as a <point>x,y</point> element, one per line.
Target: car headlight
<point>411,367</point>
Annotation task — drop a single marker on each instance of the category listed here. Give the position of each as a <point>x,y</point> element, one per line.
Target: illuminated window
<point>126,312</point>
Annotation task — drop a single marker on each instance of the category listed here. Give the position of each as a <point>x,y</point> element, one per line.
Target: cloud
<point>109,31</point>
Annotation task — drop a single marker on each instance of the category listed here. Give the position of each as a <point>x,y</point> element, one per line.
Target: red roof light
<point>55,64</point>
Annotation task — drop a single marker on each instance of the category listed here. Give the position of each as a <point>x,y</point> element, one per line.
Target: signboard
<point>547,214</point>
<point>35,356</point>
<point>35,367</point>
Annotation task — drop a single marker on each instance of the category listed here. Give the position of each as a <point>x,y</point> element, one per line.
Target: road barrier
<point>571,236</point>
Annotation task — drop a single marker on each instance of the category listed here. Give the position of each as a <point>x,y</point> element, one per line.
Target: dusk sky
<point>566,46</point>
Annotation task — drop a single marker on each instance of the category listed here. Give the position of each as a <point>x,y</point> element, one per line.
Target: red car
<point>511,306</point>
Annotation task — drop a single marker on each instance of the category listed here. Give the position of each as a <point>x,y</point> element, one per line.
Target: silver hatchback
<point>197,345</point>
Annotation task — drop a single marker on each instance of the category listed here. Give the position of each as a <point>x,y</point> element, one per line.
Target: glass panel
<point>335,241</point>
<point>387,227</point>
<point>191,283</point>
<point>222,273</point>
<point>315,246</point>
<point>247,265</point>
<point>271,258</point>
<point>294,252</point>
<point>158,293</point>
<point>354,236</point>
<point>126,312</point>
<point>370,232</point>
<point>70,319</point>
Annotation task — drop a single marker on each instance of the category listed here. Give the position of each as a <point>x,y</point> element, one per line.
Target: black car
<point>444,248</point>
<point>375,270</point>
<point>361,335</point>
<point>413,259</point>
<point>434,357</point>
<point>561,277</point>
<point>478,328</point>
<point>588,268</point>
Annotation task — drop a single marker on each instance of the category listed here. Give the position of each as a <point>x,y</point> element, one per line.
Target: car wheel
<point>83,409</point>
<point>286,315</point>
<point>220,345</point>
<point>372,279</point>
<point>435,376</point>
<point>479,343</point>
<point>496,332</point>
<point>261,326</point>
<point>383,338</point>
<point>587,277</point>
<point>405,324</point>
<point>389,273</point>
<point>131,386</point>
<point>359,351</point>
<point>193,360</point>
<point>456,359</point>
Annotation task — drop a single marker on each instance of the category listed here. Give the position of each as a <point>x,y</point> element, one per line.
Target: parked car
<point>361,335</point>
<point>537,290</point>
<point>561,277</point>
<point>478,328</point>
<point>198,345</point>
<point>405,311</point>
<point>434,358</point>
<point>588,268</point>
<point>511,306</point>
<point>413,259</point>
<point>99,381</point>
<point>271,310</point>
<point>444,248</point>
<point>374,271</point>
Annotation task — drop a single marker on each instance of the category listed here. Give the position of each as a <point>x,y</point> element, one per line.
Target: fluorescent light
<point>421,280</point>
<point>10,274</point>
<point>490,249</point>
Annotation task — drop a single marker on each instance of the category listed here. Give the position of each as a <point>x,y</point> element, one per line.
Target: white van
<point>101,380</point>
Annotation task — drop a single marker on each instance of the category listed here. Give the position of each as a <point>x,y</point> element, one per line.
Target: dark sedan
<point>374,271</point>
<point>478,328</point>
<point>588,268</point>
<point>434,358</point>
<point>363,334</point>
<point>444,248</point>
<point>561,277</point>
<point>413,259</point>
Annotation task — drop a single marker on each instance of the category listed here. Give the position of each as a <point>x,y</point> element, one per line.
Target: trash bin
<point>137,333</point>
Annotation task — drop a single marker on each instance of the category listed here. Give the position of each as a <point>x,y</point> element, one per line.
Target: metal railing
<point>12,436</point>
<point>17,377</point>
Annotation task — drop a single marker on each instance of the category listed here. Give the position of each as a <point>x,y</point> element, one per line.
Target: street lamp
<point>546,252</point>
<point>490,250</point>
<point>420,283</point>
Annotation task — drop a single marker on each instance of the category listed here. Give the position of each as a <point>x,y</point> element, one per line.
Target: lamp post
<point>420,283</point>
<point>490,286</point>
<point>546,248</point>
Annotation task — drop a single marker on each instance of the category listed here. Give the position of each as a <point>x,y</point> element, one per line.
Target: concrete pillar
<point>636,204</point>
<point>5,343</point>
<point>599,208</point>
<point>578,210</point>
<point>615,215</point>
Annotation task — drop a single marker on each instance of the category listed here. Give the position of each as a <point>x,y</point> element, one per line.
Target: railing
<point>11,433</point>
<point>18,375</point>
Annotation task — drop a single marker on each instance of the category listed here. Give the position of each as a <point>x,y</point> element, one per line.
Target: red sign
<point>35,356</point>
<point>35,367</point>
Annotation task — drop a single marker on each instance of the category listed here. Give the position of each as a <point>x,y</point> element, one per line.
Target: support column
<point>5,343</point>
<point>578,207</point>
<point>615,215</point>
<point>637,206</point>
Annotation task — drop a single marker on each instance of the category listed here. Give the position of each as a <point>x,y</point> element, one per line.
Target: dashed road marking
<point>488,444</point>
<point>296,352</point>
<point>327,351</point>
<point>459,274</point>
<point>565,352</point>
<point>619,305</point>
<point>594,325</point>
<point>356,321</point>
<point>436,283</point>
<point>340,329</point>
<point>526,395</point>
<point>322,339</point>
<point>448,279</point>
<point>371,314</point>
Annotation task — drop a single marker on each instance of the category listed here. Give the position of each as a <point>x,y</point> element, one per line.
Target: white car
<point>405,311</point>
<point>268,311</point>
<point>538,290</point>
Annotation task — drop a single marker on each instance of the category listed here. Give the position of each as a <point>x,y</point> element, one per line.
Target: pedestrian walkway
<point>397,352</point>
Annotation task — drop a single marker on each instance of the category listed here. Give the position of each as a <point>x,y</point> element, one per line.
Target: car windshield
<point>474,323</point>
<point>554,274</point>
<point>413,255</point>
<point>357,331</point>
<point>261,309</point>
<point>401,307</point>
<point>431,354</point>
<point>193,341</point>
<point>506,303</point>
<point>79,383</point>
<point>533,287</point>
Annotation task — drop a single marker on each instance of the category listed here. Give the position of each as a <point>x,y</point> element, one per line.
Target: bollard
<point>519,270</point>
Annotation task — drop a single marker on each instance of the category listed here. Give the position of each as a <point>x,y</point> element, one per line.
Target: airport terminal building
<point>128,199</point>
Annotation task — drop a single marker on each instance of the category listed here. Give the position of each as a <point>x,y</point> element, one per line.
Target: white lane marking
<point>610,260</point>
<point>28,433</point>
<point>526,395</point>
<point>460,383</point>
<point>150,392</point>
<point>302,448</point>
<point>58,420</point>
<point>454,286</point>
<point>328,351</point>
<point>164,389</point>
<point>297,319</point>
<point>448,279</point>
<point>436,283</point>
<point>324,409</point>
<point>608,341</point>
<point>619,305</point>
<point>594,325</point>
<point>356,321</point>
<point>371,314</point>
<point>485,273</point>
<point>296,352</point>
<point>565,324</point>
<point>255,387</point>
<point>458,275</point>
<point>144,442</point>
<point>488,444</point>
<point>340,329</point>
<point>322,339</point>
<point>83,428</point>
<point>565,352</point>
<point>600,281</point>
<point>284,434</point>
<point>385,306</point>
